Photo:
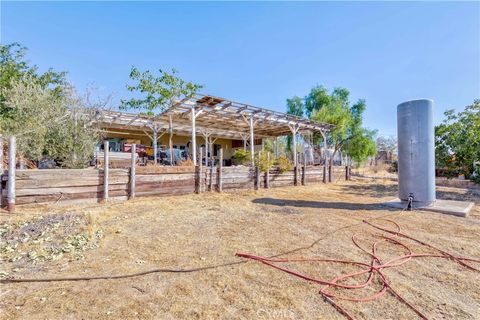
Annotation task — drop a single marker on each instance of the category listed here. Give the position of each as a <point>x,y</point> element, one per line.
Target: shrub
<point>241,157</point>
<point>263,163</point>
<point>283,164</point>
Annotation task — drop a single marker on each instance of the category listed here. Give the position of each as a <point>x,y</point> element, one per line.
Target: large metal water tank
<point>416,151</point>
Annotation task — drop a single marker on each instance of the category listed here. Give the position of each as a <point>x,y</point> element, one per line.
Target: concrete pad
<point>456,208</point>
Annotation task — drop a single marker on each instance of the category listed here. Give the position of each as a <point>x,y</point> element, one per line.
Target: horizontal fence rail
<point>72,185</point>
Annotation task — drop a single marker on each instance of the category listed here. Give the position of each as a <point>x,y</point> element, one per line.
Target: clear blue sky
<point>263,53</point>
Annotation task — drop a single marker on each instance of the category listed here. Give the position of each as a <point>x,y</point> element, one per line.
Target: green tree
<point>14,67</point>
<point>387,144</point>
<point>348,134</point>
<point>157,94</point>
<point>457,142</point>
<point>295,107</point>
<point>49,125</point>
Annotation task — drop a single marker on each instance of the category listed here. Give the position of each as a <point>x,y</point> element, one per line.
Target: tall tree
<point>157,94</point>
<point>295,107</point>
<point>457,142</point>
<point>14,67</point>
<point>48,125</point>
<point>387,144</point>
<point>348,134</point>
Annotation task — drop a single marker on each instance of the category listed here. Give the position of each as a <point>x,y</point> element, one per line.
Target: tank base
<point>456,208</point>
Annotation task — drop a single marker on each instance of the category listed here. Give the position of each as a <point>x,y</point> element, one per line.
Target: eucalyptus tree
<point>156,94</point>
<point>348,134</point>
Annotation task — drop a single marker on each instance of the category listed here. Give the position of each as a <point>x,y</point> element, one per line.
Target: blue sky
<point>263,53</point>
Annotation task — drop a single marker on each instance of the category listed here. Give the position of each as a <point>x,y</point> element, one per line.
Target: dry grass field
<point>207,230</point>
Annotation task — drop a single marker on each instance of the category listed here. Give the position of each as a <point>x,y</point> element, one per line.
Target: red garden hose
<point>373,269</point>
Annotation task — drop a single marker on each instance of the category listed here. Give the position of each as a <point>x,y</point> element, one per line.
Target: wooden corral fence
<point>67,185</point>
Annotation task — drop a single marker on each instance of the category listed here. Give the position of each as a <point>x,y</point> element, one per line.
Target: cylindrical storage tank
<point>416,152</point>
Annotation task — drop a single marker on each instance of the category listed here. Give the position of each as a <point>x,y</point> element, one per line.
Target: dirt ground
<point>207,230</point>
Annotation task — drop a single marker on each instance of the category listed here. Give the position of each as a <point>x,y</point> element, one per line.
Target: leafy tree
<point>294,107</point>
<point>44,112</point>
<point>158,93</point>
<point>457,141</point>
<point>348,134</point>
<point>14,67</point>
<point>387,144</point>
<point>49,125</point>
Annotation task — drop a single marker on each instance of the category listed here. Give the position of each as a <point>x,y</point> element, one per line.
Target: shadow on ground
<point>322,204</point>
<point>375,190</point>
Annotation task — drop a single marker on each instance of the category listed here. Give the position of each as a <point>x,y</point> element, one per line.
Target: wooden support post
<point>219,173</point>
<point>199,174</point>
<point>210,184</point>
<point>132,171</point>
<point>324,156</point>
<point>205,136</point>
<point>267,173</point>
<point>194,138</point>
<point>346,173</point>
<point>304,171</point>
<point>170,139</point>
<point>276,147</point>
<point>252,141</point>
<point>155,144</point>
<point>256,178</point>
<point>294,148</point>
<point>1,169</point>
<point>105,169</point>
<point>12,163</point>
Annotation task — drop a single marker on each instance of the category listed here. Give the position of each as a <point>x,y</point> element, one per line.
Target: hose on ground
<point>374,269</point>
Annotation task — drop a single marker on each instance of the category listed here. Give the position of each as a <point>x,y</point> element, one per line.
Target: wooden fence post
<point>105,169</point>
<point>295,173</point>
<point>132,171</point>
<point>1,169</point>
<point>330,170</point>
<point>304,171</point>
<point>219,173</point>
<point>267,173</point>
<point>12,163</point>
<point>325,171</point>
<point>256,178</point>
<point>346,173</point>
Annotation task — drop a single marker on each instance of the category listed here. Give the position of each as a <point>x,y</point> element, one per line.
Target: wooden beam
<point>12,163</point>
<point>194,138</point>
<point>132,171</point>
<point>105,169</point>
<point>252,141</point>
<point>219,173</point>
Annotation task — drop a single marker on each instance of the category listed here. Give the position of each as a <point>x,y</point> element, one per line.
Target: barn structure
<point>202,121</point>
